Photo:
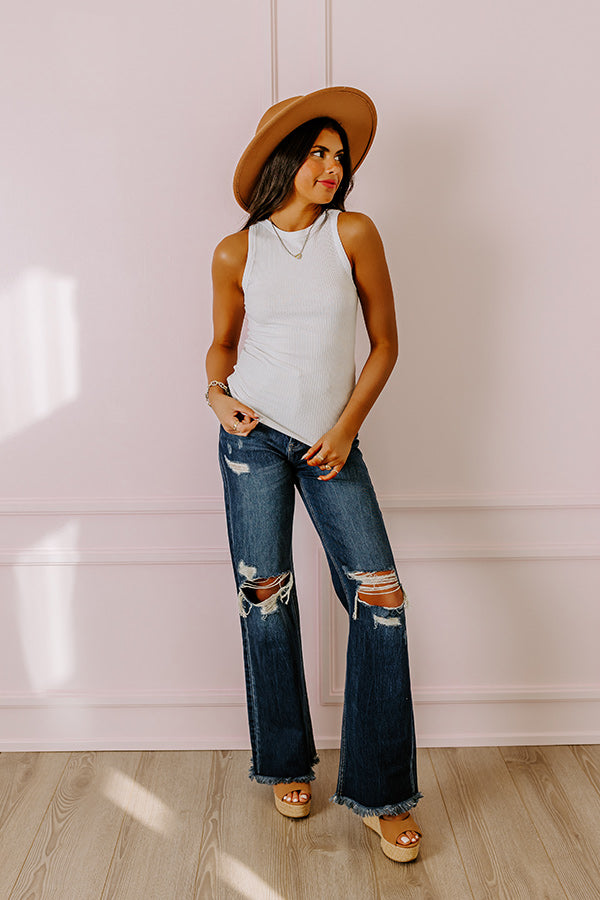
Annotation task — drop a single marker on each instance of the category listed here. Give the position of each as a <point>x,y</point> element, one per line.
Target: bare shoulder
<point>357,233</point>
<point>230,255</point>
<point>355,225</point>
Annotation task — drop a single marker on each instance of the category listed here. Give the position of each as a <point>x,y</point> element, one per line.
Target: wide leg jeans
<point>261,473</point>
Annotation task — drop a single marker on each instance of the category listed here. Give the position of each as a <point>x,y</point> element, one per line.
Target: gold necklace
<point>295,255</point>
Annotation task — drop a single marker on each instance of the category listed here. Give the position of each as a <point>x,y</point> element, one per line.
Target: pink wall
<point>122,129</point>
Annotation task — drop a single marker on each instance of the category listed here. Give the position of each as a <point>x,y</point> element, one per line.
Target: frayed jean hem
<point>392,809</point>
<point>279,779</point>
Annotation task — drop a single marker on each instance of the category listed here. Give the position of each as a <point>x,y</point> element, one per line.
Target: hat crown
<point>274,110</point>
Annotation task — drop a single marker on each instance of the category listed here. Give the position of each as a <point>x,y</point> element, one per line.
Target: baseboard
<point>157,726</point>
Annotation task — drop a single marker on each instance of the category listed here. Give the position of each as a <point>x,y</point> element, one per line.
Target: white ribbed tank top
<point>296,367</point>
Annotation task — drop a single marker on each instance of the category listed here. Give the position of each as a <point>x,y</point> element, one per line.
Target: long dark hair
<point>276,179</point>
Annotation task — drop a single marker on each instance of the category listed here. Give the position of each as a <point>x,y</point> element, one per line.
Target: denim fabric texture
<point>261,472</point>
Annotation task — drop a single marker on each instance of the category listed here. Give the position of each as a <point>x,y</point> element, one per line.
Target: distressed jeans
<point>377,769</point>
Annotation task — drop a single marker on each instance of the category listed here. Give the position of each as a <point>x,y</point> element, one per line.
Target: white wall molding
<point>227,742</point>
<point>117,556</point>
<point>95,721</point>
<point>506,738</point>
<point>207,505</point>
<point>329,742</point>
<point>502,551</point>
<point>328,44</point>
<point>112,506</point>
<point>220,697</point>
<point>118,742</point>
<point>274,53</point>
<point>489,501</point>
<point>467,694</point>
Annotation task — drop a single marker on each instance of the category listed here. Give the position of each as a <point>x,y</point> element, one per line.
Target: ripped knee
<point>264,593</point>
<point>263,588</point>
<point>378,589</point>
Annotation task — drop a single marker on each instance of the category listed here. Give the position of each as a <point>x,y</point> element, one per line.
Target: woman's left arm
<point>364,248</point>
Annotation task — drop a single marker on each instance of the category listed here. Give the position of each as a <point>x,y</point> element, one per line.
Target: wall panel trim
<point>274,55</point>
<point>203,505</point>
<point>489,501</point>
<point>115,556</point>
<point>112,506</point>
<point>328,44</point>
<point>219,697</point>
<point>506,738</point>
<point>492,694</point>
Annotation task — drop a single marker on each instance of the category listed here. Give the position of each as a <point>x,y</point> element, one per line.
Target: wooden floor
<point>519,822</point>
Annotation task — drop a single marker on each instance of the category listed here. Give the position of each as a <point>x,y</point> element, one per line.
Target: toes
<point>296,797</point>
<point>408,837</point>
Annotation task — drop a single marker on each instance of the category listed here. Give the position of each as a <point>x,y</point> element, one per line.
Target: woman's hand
<point>330,452</point>
<point>235,417</point>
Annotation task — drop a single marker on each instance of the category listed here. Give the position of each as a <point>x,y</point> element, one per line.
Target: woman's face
<point>318,177</point>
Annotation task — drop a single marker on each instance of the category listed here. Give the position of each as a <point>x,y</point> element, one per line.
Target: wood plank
<point>156,852</point>
<point>27,783</point>
<point>278,858</point>
<point>72,849</point>
<point>192,825</point>
<point>245,848</point>
<point>588,758</point>
<point>440,853</point>
<point>332,851</point>
<point>503,855</point>
<point>249,849</point>
<point>438,870</point>
<point>566,812</point>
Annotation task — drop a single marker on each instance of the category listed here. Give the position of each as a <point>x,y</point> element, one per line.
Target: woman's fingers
<point>334,470</point>
<point>316,455</point>
<point>325,459</point>
<point>246,411</point>
<point>330,453</point>
<point>235,417</point>
<point>245,415</point>
<point>241,426</point>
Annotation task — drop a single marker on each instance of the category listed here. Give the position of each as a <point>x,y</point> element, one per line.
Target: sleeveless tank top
<point>296,367</point>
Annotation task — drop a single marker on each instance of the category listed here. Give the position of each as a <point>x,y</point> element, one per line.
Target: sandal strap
<point>392,829</point>
<point>282,789</point>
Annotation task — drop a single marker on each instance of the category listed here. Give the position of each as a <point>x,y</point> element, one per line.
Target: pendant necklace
<point>287,249</point>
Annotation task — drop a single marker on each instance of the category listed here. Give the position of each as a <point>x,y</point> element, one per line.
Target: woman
<point>290,411</point>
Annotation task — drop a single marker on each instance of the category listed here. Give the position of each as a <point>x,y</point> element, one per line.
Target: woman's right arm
<point>228,316</point>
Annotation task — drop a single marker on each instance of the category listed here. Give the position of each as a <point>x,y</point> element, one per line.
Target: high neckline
<point>299,230</point>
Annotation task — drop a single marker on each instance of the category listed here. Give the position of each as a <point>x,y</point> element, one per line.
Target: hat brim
<point>353,109</point>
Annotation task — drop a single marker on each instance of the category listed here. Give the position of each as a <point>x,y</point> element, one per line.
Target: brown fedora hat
<point>353,109</point>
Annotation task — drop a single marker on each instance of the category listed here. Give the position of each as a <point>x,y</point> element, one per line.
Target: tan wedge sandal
<point>390,830</point>
<point>289,808</point>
